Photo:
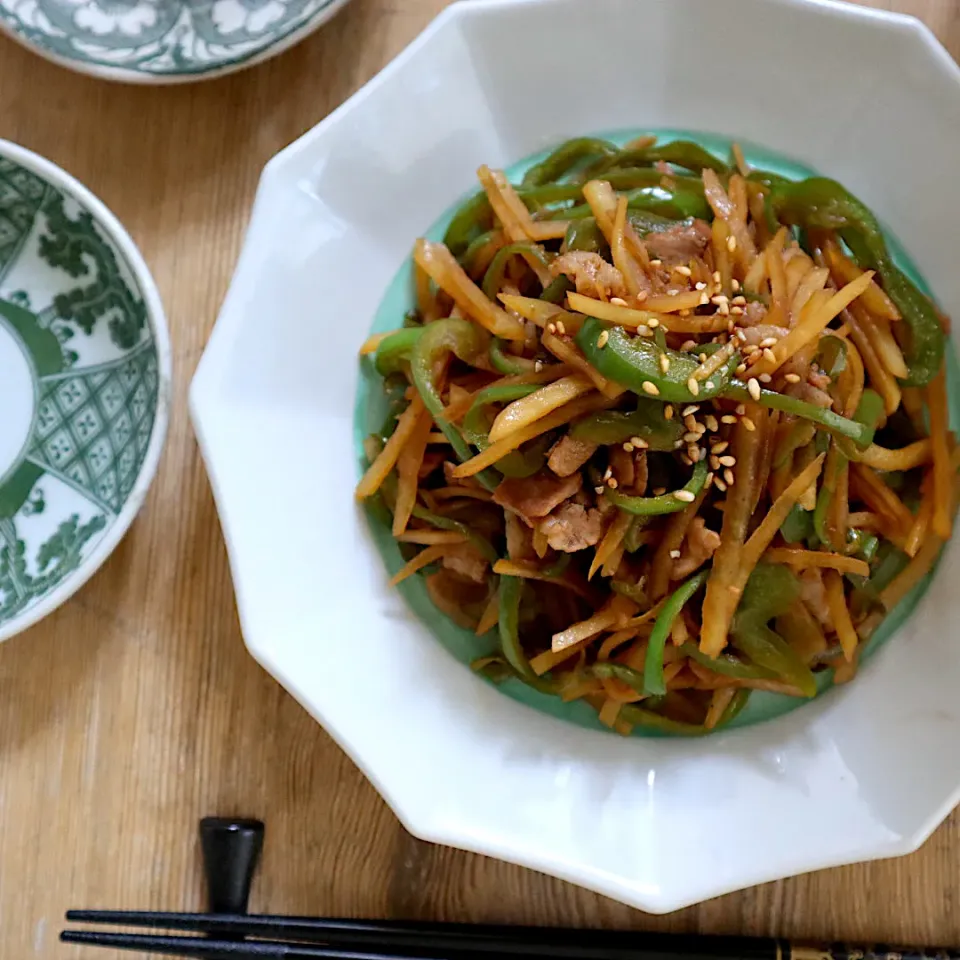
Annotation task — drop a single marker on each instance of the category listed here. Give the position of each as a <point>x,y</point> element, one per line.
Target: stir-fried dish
<point>676,427</point>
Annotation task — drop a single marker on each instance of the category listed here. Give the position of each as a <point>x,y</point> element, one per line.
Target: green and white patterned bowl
<point>84,385</point>
<point>161,41</point>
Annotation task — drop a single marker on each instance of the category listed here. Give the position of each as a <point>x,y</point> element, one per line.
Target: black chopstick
<point>435,941</point>
<point>201,948</point>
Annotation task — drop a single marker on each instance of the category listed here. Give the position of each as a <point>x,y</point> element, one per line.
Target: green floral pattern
<point>71,307</point>
<point>160,40</point>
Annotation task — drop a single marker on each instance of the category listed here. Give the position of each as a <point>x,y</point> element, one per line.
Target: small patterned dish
<point>161,41</point>
<point>84,385</point>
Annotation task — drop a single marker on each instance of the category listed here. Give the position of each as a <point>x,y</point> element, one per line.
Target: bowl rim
<point>115,231</point>
<point>133,77</point>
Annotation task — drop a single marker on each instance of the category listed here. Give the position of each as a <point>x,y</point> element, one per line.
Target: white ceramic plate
<point>865,771</point>
<point>84,385</point>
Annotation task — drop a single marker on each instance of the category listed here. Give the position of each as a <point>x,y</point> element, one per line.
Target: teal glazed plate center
<point>84,381</point>
<point>463,644</point>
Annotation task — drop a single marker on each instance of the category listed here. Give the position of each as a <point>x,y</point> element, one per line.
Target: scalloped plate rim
<point>48,171</point>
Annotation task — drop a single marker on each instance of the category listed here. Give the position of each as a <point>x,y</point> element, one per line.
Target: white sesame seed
<point>791,378</point>
<point>724,310</point>
<point>659,491</point>
<point>719,298</point>
<point>711,422</point>
<point>735,283</point>
<point>653,322</point>
<point>685,460</point>
<point>754,388</point>
<point>741,368</point>
<point>608,473</point>
<point>736,311</point>
<point>537,366</point>
<point>664,362</point>
<point>728,418</point>
<point>641,296</point>
<point>690,410</point>
<point>740,301</point>
<point>602,339</point>
<point>561,329</point>
<point>656,263</point>
<point>675,554</point>
<point>728,477</point>
<point>612,483</point>
<point>719,484</point>
<point>599,490</point>
<point>668,412</point>
<point>731,243</point>
<point>710,385</point>
<point>716,276</point>
<point>551,328</point>
<point>644,331</point>
<point>691,437</point>
<point>686,496</point>
<point>742,335</point>
<point>728,461</point>
<point>764,378</point>
<point>748,424</point>
<point>689,420</point>
<point>693,453</point>
<point>750,349</point>
<point>704,299</point>
<point>699,285</point>
<point>678,445</point>
<point>769,355</point>
<point>639,443</point>
<point>618,301</point>
<point>708,482</point>
<point>740,410</point>
<point>768,342</point>
<point>650,388</point>
<point>703,358</point>
<point>693,386</point>
<point>628,447</point>
<point>714,463</point>
<point>683,271</point>
<point>688,345</point>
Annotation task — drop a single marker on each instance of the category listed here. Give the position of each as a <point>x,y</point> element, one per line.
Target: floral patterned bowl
<point>84,385</point>
<point>161,41</point>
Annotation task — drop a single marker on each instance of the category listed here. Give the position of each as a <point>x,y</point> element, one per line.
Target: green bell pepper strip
<point>584,234</point>
<point>863,544</point>
<point>518,463</point>
<point>493,278</point>
<point>686,154</point>
<point>632,590</point>
<point>653,682</point>
<point>557,290</point>
<point>667,503</point>
<point>615,426</point>
<point>734,708</point>
<point>822,203</point>
<point>824,498</point>
<point>465,340</point>
<point>445,523</point>
<point>832,356</point>
<point>633,361</point>
<point>395,350</point>
<point>632,538</point>
<point>770,592</point>
<point>477,244</point>
<point>565,157</point>
<point>674,204</point>
<point>642,717</point>
<point>511,589</point>
<point>726,664</point>
<point>473,218</point>
<point>504,363</point>
<point>608,670</point>
<point>860,433</point>
<point>798,525</point>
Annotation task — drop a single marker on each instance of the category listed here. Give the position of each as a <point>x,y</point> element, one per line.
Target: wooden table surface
<point>135,709</point>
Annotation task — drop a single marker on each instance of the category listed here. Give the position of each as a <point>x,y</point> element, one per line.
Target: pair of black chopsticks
<point>238,937</point>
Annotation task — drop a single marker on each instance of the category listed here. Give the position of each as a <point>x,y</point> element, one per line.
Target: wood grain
<point>135,710</point>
